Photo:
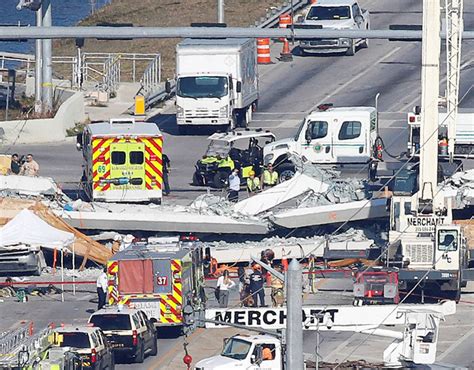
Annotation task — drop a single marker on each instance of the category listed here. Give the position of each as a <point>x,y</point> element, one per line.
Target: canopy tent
<point>27,228</point>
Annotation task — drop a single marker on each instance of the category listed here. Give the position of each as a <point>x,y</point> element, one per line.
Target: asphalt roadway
<point>288,92</point>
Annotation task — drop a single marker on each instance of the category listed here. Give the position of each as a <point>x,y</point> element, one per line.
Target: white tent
<point>27,228</point>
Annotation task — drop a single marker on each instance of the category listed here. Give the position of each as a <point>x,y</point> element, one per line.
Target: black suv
<point>129,331</point>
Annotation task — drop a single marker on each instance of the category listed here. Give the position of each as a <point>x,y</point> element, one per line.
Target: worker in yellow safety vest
<point>270,176</point>
<point>253,183</point>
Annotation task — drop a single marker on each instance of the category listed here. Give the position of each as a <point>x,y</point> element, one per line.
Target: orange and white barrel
<point>284,22</point>
<point>263,51</point>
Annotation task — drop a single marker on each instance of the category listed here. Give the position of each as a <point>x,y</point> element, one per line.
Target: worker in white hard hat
<point>253,183</point>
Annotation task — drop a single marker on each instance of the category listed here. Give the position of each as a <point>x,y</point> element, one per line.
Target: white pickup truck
<point>249,352</point>
<point>328,136</point>
<point>336,15</point>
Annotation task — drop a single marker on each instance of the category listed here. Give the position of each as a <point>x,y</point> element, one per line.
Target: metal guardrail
<point>20,348</point>
<point>160,94</point>
<point>273,17</point>
<point>151,79</point>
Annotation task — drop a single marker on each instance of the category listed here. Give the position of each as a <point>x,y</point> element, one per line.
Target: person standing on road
<point>166,171</point>
<point>234,186</point>
<point>15,166</point>
<point>30,167</point>
<point>256,286</point>
<point>102,288</point>
<point>269,177</point>
<point>224,283</point>
<point>253,183</point>
<point>277,288</point>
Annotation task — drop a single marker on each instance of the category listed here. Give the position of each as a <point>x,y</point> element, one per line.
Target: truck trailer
<point>217,83</point>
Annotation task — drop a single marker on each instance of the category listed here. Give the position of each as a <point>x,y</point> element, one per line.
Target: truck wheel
<point>248,115</point>
<point>140,355</point>
<point>197,180</point>
<point>286,171</point>
<point>220,179</point>
<point>183,130</point>
<point>352,49</point>
<point>154,347</point>
<point>365,44</point>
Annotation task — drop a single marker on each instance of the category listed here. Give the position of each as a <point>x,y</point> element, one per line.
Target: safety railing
<point>151,79</point>
<point>9,60</point>
<point>20,347</point>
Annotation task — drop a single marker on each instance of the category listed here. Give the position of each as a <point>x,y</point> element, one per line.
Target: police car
<point>129,331</point>
<point>89,343</point>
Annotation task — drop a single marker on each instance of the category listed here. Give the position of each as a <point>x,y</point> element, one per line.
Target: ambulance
<point>165,280</point>
<point>123,161</point>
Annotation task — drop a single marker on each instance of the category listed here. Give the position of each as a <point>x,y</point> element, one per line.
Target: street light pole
<point>220,11</point>
<point>47,60</point>
<point>294,329</point>
<point>38,65</point>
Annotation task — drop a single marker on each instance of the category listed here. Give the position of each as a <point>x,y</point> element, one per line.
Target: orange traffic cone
<point>285,55</point>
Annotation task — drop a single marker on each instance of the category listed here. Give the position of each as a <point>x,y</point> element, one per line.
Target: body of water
<point>65,13</point>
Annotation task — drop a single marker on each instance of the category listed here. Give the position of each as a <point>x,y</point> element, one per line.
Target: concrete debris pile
<point>350,234</point>
<point>209,204</point>
<point>340,191</point>
<point>207,214</point>
<point>351,240</point>
<point>461,187</point>
<point>25,186</point>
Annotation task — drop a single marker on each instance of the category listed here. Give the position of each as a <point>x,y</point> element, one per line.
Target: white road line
<point>277,120</point>
<point>277,113</point>
<point>356,77</point>
<point>455,345</point>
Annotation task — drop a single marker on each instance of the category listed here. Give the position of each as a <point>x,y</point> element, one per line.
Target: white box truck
<point>217,82</point>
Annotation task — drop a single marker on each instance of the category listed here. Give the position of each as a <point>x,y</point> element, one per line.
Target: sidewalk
<point>115,107</point>
<point>203,343</point>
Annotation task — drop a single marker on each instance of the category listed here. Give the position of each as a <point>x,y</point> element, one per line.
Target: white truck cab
<point>250,352</point>
<point>216,82</point>
<point>329,135</point>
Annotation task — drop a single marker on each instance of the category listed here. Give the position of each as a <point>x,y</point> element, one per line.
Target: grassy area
<point>161,13</point>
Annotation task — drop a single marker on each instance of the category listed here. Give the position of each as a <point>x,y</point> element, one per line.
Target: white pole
<point>294,329</point>
<point>39,65</point>
<point>220,11</point>
<point>62,275</point>
<point>73,268</point>
<point>47,60</point>
<point>431,49</point>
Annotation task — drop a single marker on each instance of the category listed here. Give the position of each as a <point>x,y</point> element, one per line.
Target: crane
<point>423,242</point>
<point>454,28</point>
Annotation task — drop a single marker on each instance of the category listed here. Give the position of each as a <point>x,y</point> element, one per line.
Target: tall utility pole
<point>47,60</point>
<point>294,329</point>
<point>38,65</point>
<point>454,27</point>
<point>429,104</point>
<point>220,11</point>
